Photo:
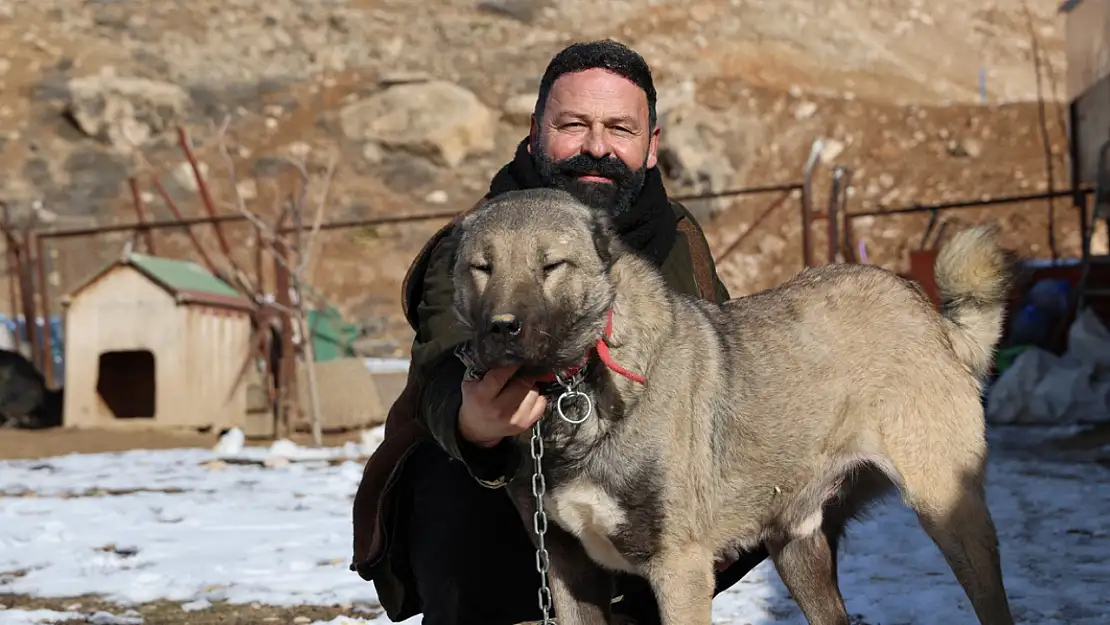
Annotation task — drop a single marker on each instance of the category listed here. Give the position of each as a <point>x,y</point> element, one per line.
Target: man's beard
<point>615,197</point>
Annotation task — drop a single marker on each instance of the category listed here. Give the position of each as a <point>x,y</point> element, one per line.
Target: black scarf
<point>648,227</point>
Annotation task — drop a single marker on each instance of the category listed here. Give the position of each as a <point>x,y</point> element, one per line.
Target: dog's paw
<point>726,558</point>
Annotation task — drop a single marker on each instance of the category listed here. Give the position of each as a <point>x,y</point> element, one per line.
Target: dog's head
<point>531,279</point>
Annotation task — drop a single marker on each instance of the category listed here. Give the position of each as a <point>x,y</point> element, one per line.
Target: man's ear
<point>653,148</point>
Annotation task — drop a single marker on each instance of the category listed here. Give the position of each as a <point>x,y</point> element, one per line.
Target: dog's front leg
<point>683,582</point>
<point>581,590</point>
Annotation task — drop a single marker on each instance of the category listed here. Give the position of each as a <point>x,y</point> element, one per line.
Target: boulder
<point>123,112</point>
<point>437,119</point>
<point>693,157</point>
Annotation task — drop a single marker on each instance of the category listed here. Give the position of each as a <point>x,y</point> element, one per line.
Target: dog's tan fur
<point>774,418</point>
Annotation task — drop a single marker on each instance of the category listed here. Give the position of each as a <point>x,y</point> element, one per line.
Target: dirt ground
<point>170,613</point>
<point>22,444</point>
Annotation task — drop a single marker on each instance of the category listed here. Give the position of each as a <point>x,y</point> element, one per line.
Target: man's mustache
<point>587,165</point>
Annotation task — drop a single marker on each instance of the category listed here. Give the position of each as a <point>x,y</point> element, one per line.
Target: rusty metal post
<point>205,194</point>
<point>838,199</point>
<point>44,301</point>
<point>27,293</point>
<point>807,203</point>
<point>772,207</point>
<point>258,265</point>
<point>188,230</point>
<point>288,364</point>
<point>11,252</point>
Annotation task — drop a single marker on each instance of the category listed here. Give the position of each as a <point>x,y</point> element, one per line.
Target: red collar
<point>602,348</point>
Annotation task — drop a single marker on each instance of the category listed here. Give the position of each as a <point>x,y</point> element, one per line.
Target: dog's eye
<point>481,267</point>
<point>552,266</point>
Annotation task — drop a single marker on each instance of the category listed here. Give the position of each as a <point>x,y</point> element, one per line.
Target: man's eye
<point>481,267</point>
<point>552,266</point>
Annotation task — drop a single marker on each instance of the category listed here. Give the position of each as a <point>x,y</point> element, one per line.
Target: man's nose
<point>505,325</point>
<point>595,144</point>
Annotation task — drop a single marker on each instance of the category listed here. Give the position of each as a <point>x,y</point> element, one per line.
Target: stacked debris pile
<point>1043,388</point>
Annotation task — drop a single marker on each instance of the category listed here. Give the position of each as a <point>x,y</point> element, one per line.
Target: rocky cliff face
<point>420,103</point>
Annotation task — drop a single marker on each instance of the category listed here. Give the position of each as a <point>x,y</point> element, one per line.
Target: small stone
<point>276,462</point>
<point>973,147</point>
<point>5,65</point>
<point>372,153</point>
<point>301,620</point>
<point>439,196</point>
<point>247,189</point>
<point>299,149</point>
<point>271,123</point>
<point>403,78</point>
<point>804,110</point>
<point>831,150</point>
<point>183,175</point>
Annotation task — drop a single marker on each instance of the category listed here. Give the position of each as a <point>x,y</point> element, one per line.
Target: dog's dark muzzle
<point>506,339</point>
<point>504,328</point>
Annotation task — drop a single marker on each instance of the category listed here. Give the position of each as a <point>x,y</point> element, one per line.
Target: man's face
<point>595,139</point>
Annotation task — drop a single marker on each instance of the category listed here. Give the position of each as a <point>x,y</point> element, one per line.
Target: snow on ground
<point>184,526</point>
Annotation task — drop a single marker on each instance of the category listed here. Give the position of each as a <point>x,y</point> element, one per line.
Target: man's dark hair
<point>604,54</point>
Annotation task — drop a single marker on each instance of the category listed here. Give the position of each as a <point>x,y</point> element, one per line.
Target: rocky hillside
<point>419,103</point>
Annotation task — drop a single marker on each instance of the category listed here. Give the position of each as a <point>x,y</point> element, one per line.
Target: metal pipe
<point>732,247</point>
<point>205,194</point>
<point>44,299</point>
<point>185,222</point>
<point>924,208</point>
<point>27,294</point>
<point>807,203</point>
<point>11,252</point>
<point>177,213</point>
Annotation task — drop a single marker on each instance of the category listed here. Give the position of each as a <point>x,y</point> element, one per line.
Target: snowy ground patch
<point>272,525</point>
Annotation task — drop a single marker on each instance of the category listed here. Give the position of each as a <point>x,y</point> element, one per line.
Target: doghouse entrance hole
<point>125,382</point>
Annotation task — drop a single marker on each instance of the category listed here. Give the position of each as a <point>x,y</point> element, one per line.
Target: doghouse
<point>159,343</point>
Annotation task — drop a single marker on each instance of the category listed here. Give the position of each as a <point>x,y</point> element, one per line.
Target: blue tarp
<point>18,327</point>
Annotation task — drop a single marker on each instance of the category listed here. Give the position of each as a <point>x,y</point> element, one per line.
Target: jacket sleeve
<point>438,332</point>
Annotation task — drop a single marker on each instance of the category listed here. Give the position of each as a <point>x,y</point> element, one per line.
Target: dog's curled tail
<point>973,276</point>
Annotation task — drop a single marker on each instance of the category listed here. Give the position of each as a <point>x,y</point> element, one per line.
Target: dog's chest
<point>586,510</point>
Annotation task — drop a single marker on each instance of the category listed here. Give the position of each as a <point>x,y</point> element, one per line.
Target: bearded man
<point>442,537</point>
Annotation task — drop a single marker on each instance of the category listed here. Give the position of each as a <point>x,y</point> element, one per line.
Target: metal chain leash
<point>539,523</point>
<point>539,483</point>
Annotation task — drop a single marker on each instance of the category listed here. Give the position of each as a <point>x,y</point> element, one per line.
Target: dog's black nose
<point>504,325</point>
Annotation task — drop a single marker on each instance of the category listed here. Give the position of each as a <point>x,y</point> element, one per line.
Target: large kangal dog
<point>695,428</point>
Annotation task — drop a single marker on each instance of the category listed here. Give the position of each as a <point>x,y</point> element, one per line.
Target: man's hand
<point>494,407</point>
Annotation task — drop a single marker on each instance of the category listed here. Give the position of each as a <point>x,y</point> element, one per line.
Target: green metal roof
<point>182,275</point>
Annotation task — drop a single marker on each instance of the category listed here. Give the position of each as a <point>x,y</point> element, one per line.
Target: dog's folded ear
<point>605,238</point>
